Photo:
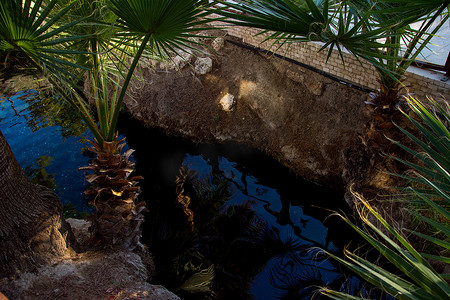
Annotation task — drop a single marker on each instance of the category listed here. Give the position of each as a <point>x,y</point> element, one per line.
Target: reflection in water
<point>256,227</point>
<point>236,224</point>
<point>38,174</point>
<point>254,237</point>
<point>20,116</point>
<point>46,111</point>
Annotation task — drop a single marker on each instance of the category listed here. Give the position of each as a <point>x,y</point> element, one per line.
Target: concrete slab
<point>439,46</point>
<point>436,52</point>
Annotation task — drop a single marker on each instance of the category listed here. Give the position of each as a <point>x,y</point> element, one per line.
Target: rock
<point>227,102</point>
<point>290,152</point>
<point>90,275</point>
<point>218,43</point>
<point>203,65</point>
<point>80,229</point>
<point>295,76</point>
<point>315,87</point>
<point>178,62</point>
<point>183,58</point>
<point>148,292</point>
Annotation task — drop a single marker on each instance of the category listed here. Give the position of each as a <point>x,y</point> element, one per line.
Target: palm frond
<point>419,279</point>
<point>164,25</point>
<point>28,28</point>
<point>370,30</point>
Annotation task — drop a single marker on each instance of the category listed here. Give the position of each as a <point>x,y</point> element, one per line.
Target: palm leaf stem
<point>116,105</point>
<point>79,105</point>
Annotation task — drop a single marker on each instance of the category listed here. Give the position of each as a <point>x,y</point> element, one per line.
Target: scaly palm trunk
<point>385,112</point>
<point>118,216</point>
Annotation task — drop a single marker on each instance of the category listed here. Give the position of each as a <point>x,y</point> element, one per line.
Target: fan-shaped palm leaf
<point>335,23</point>
<point>97,25</point>
<point>31,28</point>
<point>164,25</point>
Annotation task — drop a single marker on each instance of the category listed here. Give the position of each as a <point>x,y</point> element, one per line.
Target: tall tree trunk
<point>118,213</point>
<point>31,231</point>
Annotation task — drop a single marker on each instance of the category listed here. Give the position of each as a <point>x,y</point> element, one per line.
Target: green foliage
<point>332,22</point>
<point>72,38</point>
<point>96,27</point>
<point>419,280</point>
<point>29,27</point>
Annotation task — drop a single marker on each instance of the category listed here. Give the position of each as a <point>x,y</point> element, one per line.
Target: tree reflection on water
<point>234,250</point>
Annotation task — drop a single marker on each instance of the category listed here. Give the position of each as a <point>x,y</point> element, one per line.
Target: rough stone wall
<point>363,74</point>
<point>308,122</point>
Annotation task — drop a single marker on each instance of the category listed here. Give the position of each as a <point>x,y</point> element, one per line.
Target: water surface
<point>38,144</point>
<point>259,242</point>
<point>256,227</point>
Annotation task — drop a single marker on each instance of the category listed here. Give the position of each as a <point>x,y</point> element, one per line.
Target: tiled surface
<point>439,47</point>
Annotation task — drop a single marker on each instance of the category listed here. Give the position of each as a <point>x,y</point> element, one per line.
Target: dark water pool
<point>44,149</point>
<point>256,227</point>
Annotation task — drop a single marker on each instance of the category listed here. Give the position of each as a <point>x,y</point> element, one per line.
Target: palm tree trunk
<point>118,214</point>
<point>31,224</point>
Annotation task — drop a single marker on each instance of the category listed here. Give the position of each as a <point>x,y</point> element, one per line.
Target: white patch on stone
<point>203,65</point>
<point>179,61</point>
<point>227,102</point>
<point>218,43</point>
<point>290,153</point>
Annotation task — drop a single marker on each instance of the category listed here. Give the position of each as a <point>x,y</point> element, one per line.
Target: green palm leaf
<point>419,280</point>
<point>162,25</point>
<point>30,31</point>
<point>357,26</point>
